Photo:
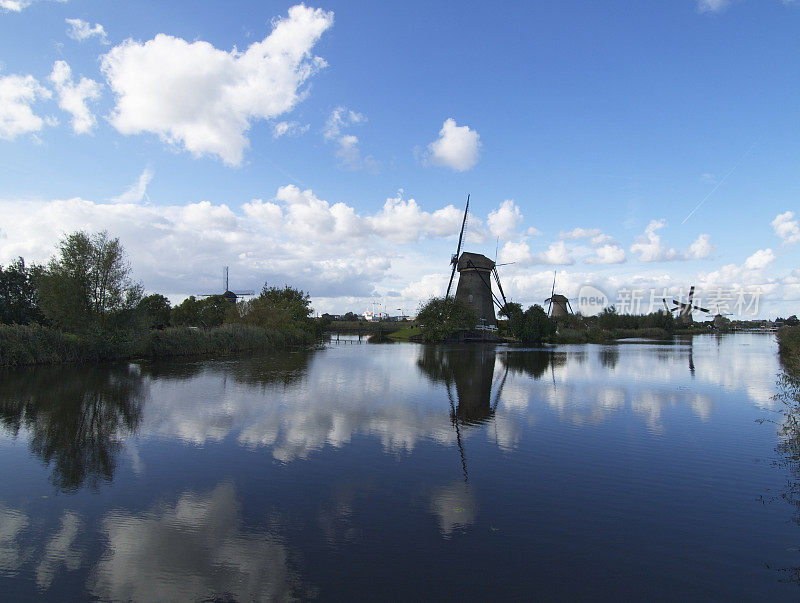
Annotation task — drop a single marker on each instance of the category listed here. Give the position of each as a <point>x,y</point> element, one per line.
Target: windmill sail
<point>454,259</point>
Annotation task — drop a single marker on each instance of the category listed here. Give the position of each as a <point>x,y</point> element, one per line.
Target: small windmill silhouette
<point>229,295</point>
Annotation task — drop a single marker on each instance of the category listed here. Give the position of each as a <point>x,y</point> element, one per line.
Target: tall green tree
<point>19,300</point>
<point>186,313</point>
<point>212,310</point>
<point>155,310</point>
<point>531,326</point>
<point>442,317</point>
<point>88,282</point>
<point>276,307</point>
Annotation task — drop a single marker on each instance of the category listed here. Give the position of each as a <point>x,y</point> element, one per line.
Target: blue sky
<point>615,118</point>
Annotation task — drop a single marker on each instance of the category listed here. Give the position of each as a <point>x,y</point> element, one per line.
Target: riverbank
<point>410,331</point>
<point>607,336</point>
<point>789,347</point>
<point>22,345</point>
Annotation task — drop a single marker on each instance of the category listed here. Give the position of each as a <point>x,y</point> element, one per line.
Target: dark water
<point>403,472</point>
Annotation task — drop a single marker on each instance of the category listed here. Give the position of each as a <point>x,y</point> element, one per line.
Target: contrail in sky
<point>720,183</point>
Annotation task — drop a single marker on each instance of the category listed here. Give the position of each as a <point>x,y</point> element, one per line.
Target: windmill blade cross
<point>454,259</point>
<point>450,284</point>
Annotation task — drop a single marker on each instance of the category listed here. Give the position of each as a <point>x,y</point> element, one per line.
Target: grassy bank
<point>789,347</point>
<point>34,344</point>
<point>606,336</point>
<point>405,333</point>
<point>362,327</point>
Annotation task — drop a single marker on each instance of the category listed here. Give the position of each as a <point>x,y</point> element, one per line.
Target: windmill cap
<point>474,260</point>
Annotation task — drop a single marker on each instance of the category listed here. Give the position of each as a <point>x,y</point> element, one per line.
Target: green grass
<point>596,335</point>
<point>405,333</point>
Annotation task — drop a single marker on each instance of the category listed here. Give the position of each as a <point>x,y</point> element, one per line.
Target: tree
<point>155,309</point>
<point>537,325</point>
<point>187,313</point>
<point>276,307</point>
<point>88,282</point>
<point>608,319</point>
<point>19,300</point>
<point>442,317</point>
<point>531,326</point>
<point>513,312</point>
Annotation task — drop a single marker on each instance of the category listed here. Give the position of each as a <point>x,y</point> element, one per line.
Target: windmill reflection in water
<point>470,371</point>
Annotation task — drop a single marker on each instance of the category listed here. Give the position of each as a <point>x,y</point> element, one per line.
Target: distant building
<point>370,315</point>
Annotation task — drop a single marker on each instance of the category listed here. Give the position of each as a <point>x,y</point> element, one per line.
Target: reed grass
<point>35,344</point>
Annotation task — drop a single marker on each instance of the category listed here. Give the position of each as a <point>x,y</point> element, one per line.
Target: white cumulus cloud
<point>402,221</point>
<point>760,259</point>
<point>580,233</point>
<point>457,147</point>
<point>607,254</point>
<point>649,248</point>
<point>17,94</point>
<point>81,30</point>
<point>203,99</point>
<point>504,220</point>
<point>786,227</point>
<point>16,6</point>
<point>596,236</point>
<point>557,254</point>
<point>701,248</point>
<point>73,98</point>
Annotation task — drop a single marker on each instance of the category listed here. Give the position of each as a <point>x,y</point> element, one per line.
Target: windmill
<point>684,309</point>
<point>559,304</point>
<point>719,321</point>
<point>229,295</point>
<point>475,280</point>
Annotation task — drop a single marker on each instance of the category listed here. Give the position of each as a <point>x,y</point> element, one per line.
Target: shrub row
<point>789,347</point>
<point>36,344</point>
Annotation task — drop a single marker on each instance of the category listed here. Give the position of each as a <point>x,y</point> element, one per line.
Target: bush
<point>35,344</point>
<point>532,326</point>
<point>442,317</point>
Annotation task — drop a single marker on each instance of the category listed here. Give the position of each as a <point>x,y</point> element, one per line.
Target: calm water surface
<point>401,471</point>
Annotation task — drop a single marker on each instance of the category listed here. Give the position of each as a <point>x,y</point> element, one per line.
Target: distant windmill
<point>685,310</point>
<point>229,295</point>
<point>719,321</point>
<point>475,280</point>
<point>559,304</point>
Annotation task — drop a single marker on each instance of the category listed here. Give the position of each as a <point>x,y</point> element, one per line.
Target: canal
<point>402,471</point>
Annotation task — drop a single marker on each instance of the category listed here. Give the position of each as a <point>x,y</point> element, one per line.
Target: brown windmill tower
<point>559,304</point>
<point>475,272</point>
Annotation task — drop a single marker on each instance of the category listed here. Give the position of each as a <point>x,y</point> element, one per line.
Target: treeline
<point>83,306</point>
<point>441,318</point>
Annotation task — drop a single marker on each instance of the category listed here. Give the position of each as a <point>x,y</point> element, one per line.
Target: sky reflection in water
<point>622,470</point>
